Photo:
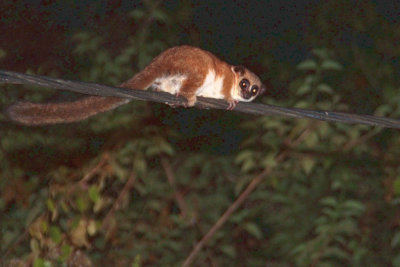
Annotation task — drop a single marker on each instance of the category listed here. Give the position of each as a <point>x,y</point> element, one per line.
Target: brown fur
<point>50,113</point>
<point>192,62</point>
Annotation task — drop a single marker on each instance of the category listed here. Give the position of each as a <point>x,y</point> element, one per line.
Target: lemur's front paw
<point>232,104</point>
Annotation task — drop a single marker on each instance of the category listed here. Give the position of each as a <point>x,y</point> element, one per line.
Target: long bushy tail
<point>49,113</point>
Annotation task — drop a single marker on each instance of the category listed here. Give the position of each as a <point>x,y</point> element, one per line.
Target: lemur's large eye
<point>254,89</point>
<point>244,84</point>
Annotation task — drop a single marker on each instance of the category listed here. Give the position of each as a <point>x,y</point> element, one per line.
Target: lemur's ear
<point>239,70</point>
<point>263,88</point>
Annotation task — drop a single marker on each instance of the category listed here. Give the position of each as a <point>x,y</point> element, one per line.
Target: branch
<point>180,200</point>
<point>242,197</point>
<point>106,222</point>
<point>202,102</point>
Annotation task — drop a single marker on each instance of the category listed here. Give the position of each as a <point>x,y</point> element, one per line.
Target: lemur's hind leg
<point>143,79</point>
<point>189,88</point>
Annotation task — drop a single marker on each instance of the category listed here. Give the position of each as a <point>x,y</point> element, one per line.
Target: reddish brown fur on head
<point>248,84</point>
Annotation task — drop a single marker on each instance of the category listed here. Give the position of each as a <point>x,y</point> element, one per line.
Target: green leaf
<point>329,201</point>
<point>325,88</point>
<point>244,155</point>
<point>65,251</point>
<point>331,65</point>
<point>2,53</point>
<point>94,194</point>
<point>229,250</point>
<point>303,89</point>
<point>152,151</point>
<point>160,15</point>
<point>39,262</point>
<point>354,205</point>
<point>81,204</point>
<point>248,165</point>
<point>240,216</point>
<point>140,165</point>
<point>269,160</point>
<point>324,130</point>
<point>308,164</point>
<point>254,230</point>
<point>383,110</point>
<point>167,148</point>
<point>55,234</point>
<point>321,53</point>
<point>34,245</point>
<point>50,205</point>
<point>396,186</point>
<point>307,64</point>
<point>302,104</point>
<point>136,261</point>
<point>312,139</point>
<point>395,240</point>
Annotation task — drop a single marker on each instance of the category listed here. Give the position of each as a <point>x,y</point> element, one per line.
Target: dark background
<point>333,200</point>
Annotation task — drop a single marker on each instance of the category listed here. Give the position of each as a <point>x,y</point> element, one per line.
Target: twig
<point>116,204</point>
<point>239,201</point>
<point>94,170</point>
<point>171,179</point>
<point>161,97</point>
<point>13,245</point>
<point>361,139</point>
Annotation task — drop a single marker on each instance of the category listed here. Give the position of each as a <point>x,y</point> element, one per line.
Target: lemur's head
<point>248,86</point>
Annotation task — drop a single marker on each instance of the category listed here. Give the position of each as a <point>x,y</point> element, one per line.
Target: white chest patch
<point>170,84</point>
<point>212,86</point>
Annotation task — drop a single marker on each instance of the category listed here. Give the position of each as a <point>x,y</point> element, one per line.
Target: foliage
<point>140,185</point>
